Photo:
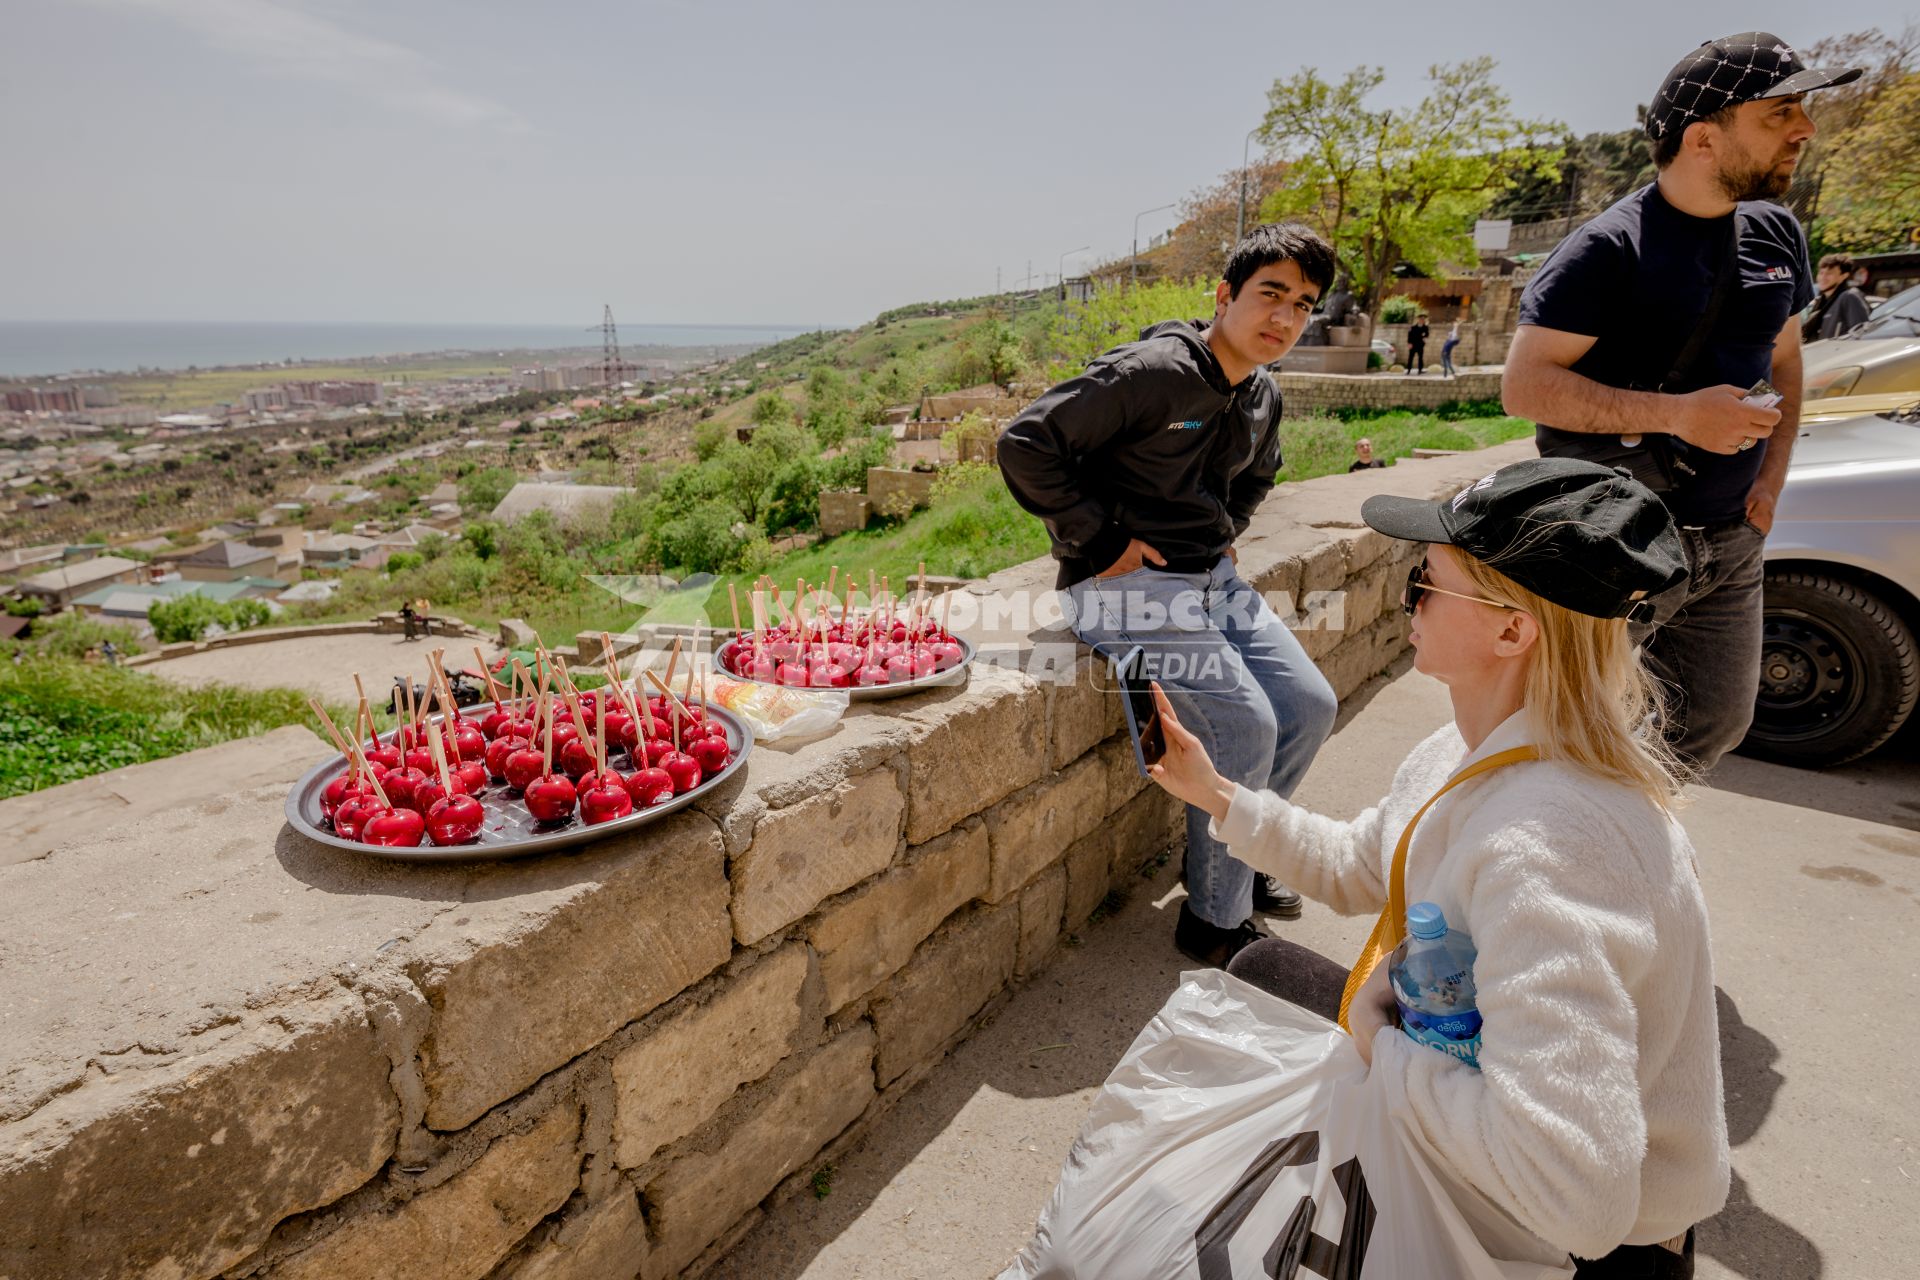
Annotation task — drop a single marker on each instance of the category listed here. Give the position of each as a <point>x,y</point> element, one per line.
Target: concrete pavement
<point>1812,880</point>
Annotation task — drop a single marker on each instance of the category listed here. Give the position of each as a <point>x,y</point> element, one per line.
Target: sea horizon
<point>62,348</point>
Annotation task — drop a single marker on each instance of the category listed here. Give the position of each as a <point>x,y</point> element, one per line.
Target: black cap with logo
<point>1589,538</point>
<point>1731,70</point>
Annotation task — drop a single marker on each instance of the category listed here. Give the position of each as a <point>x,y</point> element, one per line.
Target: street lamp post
<point>1063,268</point>
<point>1133,271</point>
<point>1240,223</point>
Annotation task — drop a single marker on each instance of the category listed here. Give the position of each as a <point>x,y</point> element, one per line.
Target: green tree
<point>770,409</point>
<point>1385,185</point>
<point>191,617</point>
<point>481,491</point>
<point>1870,198</point>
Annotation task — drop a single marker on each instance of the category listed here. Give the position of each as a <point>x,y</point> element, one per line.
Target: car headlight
<point>1832,382</point>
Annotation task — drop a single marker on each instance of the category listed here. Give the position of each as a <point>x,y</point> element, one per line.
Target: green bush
<point>481,491</point>
<point>401,561</point>
<point>61,719</point>
<point>191,617</point>
<point>72,634</point>
<point>1399,309</point>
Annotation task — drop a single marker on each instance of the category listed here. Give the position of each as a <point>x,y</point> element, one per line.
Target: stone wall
<point>233,1052</point>
<point>1302,395</point>
<point>895,491</point>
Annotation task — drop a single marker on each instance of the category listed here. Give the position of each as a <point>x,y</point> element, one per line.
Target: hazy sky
<point>716,162</point>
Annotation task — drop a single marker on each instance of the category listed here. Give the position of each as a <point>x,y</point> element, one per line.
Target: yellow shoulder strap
<point>1391,926</point>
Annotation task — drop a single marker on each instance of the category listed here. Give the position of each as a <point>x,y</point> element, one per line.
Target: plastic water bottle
<point>1432,977</point>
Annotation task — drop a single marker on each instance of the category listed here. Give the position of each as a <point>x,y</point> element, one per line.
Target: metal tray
<point>955,675</point>
<point>510,831</point>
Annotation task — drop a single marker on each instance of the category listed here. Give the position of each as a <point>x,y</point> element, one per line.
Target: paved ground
<point>321,664</point>
<point>1812,879</point>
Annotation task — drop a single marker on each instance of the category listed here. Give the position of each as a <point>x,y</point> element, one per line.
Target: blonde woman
<point>1595,1114</point>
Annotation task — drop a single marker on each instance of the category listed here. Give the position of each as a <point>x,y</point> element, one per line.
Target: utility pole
<point>1133,269</point>
<point>1240,223</point>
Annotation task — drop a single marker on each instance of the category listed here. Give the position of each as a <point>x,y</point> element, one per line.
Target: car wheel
<point>1839,673</point>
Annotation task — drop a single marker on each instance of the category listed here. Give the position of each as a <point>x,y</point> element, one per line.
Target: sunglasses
<point>1418,585</point>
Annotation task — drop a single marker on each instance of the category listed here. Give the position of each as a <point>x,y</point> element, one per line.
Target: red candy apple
<point>393,828</point>
<point>710,753</point>
<point>644,784</point>
<point>497,752</point>
<point>683,769</point>
<point>401,785</point>
<point>550,797</point>
<point>604,801</point>
<point>523,765</point>
<point>455,820</point>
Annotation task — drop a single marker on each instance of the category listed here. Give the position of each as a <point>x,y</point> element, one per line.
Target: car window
<point>1897,317</point>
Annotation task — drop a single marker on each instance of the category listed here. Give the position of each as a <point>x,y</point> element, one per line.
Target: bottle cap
<point>1426,921</point>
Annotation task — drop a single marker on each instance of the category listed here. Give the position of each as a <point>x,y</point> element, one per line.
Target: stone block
<point>1034,826</point>
<point>812,850</point>
<point>896,491</point>
<point>182,1170</point>
<point>945,983</point>
<point>870,933</point>
<point>547,961</point>
<point>769,1134</point>
<point>1324,568</point>
<point>460,1229</point>
<point>607,1241</point>
<point>687,1066</point>
<point>1144,827</point>
<point>975,746</point>
<point>1081,710</point>
<point>1122,768</point>
<point>1089,865</point>
<point>1042,905</point>
<point>844,512</point>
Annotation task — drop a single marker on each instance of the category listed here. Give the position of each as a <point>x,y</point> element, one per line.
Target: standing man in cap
<point>1664,336</point>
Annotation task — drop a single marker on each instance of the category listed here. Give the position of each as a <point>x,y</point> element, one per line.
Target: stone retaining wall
<point>232,1052</point>
<point>385,622</point>
<point>1302,395</point>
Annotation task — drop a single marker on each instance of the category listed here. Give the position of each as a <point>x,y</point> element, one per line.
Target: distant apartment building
<point>100,396</point>
<point>266,400</point>
<point>332,393</point>
<point>46,399</point>
<point>543,379</point>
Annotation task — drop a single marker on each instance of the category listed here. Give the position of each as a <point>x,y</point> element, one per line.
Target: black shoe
<point>1274,898</point>
<point>1209,944</point>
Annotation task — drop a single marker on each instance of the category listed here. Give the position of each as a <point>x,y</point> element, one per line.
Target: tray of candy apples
<point>889,649</point>
<point>545,767</point>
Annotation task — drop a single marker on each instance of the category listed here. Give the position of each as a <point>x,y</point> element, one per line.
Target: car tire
<point>1839,672</point>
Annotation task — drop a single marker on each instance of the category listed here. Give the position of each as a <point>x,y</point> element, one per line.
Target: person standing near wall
<point>1446,349</point>
<point>1648,338</point>
<point>1417,343</point>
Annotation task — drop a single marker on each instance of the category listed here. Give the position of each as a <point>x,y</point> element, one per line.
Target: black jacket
<point>1151,442</point>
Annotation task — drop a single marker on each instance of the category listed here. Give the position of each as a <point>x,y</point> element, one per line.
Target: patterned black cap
<point>1589,538</point>
<point>1732,70</point>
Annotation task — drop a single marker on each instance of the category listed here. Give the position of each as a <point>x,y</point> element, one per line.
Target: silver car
<point>1839,672</point>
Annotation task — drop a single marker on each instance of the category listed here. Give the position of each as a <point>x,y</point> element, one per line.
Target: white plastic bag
<point>777,711</point>
<point>1240,1138</point>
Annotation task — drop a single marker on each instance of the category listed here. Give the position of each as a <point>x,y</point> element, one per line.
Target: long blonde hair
<point>1592,702</point>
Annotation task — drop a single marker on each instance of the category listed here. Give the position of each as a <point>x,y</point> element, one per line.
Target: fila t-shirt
<point>1638,278</point>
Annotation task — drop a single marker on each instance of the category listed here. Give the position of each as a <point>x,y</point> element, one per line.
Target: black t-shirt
<point>1417,334</point>
<point>1638,278</point>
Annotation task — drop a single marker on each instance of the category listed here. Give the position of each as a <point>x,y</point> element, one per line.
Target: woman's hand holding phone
<point>1183,768</point>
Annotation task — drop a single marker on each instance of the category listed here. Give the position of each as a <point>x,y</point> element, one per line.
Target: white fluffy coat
<point>1596,1118</point>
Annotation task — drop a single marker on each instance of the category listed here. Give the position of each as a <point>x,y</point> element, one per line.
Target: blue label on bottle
<point>1455,1034</point>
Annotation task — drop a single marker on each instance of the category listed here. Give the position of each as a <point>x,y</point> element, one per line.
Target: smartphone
<point>1762,395</point>
<point>1143,716</point>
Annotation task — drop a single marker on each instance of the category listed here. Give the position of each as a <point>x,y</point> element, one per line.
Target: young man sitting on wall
<point>1145,469</point>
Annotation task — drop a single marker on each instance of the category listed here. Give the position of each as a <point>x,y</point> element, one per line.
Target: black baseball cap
<point>1731,70</point>
<point>1589,538</point>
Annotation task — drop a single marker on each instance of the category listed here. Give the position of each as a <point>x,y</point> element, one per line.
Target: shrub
<point>191,617</point>
<point>1399,309</point>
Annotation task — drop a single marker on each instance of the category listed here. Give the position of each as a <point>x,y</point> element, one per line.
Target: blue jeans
<point>1446,356</point>
<point>1237,679</point>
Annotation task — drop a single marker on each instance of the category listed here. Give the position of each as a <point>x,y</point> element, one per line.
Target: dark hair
<point>1272,242</point>
<point>1667,145</point>
<point>1843,262</point>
